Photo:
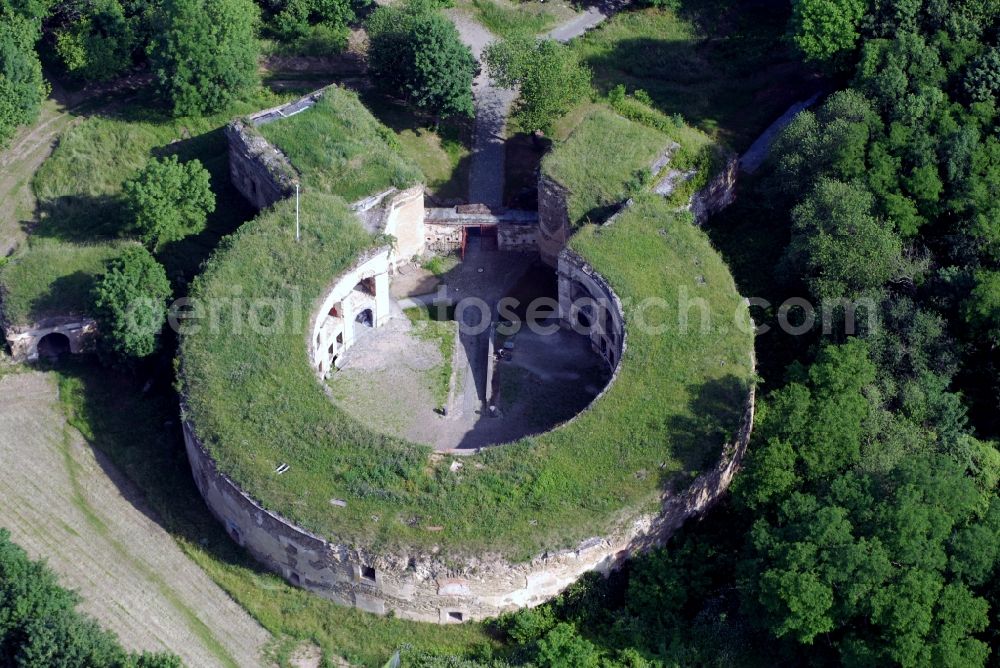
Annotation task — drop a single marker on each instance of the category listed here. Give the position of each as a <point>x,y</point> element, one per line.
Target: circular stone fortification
<point>388,525</point>
<point>488,362</point>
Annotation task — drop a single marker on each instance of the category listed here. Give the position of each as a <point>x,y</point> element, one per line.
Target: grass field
<point>51,278</point>
<point>68,504</point>
<point>725,68</point>
<point>339,148</point>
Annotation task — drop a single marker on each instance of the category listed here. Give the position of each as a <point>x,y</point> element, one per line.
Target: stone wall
<point>433,586</point>
<point>258,170</point>
<point>404,220</point>
<point>81,332</point>
<point>333,325</point>
<point>553,219</point>
<point>518,237</point>
<point>588,305</point>
<point>719,193</point>
<point>442,239</point>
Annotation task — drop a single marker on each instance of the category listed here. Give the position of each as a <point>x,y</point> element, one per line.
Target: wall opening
<point>54,345</point>
<point>368,573</point>
<point>456,616</point>
<point>366,318</point>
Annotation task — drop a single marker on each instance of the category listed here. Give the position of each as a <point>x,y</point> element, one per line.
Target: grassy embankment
<point>340,149</point>
<point>680,393</point>
<point>723,67</point>
<point>52,279</point>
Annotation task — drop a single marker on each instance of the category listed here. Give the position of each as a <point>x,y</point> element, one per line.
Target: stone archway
<point>53,346</point>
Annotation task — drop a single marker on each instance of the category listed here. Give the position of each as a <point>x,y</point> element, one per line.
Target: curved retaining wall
<point>437,587</point>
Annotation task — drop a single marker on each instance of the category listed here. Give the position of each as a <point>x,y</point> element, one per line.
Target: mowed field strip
<point>63,502</point>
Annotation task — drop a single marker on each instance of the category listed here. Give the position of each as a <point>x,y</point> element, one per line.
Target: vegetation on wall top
<point>49,279</point>
<point>339,148</point>
<point>255,402</point>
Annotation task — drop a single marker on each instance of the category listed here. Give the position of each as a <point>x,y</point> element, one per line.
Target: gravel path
<point>66,503</point>
<point>486,167</point>
<point>586,20</point>
<point>493,104</point>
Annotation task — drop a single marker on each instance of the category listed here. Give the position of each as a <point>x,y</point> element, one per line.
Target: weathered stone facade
<point>553,219</point>
<point>588,304</point>
<point>516,230</point>
<point>358,298</point>
<point>259,171</point>
<point>434,586</point>
<point>80,332</point>
<point>719,193</point>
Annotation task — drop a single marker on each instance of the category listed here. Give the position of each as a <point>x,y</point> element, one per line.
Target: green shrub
<point>416,55</point>
<point>130,304</point>
<point>169,200</point>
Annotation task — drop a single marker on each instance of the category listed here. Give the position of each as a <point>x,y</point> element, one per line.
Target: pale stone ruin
<point>51,337</point>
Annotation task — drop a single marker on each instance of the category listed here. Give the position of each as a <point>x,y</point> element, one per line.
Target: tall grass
<point>50,278</point>
<point>606,160</point>
<point>507,22</point>
<point>339,148</point>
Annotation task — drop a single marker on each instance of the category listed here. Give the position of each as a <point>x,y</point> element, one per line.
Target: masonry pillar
<point>382,302</point>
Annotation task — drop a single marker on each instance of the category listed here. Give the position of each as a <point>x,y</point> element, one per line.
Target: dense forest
<point>864,529</point>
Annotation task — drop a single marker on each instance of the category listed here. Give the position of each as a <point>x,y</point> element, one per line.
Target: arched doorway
<point>53,345</point>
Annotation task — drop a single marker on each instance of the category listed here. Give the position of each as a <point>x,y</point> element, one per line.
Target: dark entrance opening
<point>52,346</point>
<point>366,318</point>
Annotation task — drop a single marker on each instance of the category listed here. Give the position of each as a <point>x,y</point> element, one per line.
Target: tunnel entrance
<point>54,345</point>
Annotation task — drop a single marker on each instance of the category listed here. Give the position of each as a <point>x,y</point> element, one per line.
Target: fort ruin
<point>427,583</point>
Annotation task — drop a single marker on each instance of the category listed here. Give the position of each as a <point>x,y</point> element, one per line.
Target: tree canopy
<point>169,200</point>
<point>22,87</point>
<point>204,53</point>
<point>416,55</point>
<point>548,75</point>
<point>130,305</point>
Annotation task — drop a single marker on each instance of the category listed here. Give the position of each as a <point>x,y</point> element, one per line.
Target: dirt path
<point>586,20</point>
<point>28,150</point>
<point>486,166</point>
<point>63,502</point>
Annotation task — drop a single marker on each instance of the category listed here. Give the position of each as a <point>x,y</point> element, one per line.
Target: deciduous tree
<point>169,200</point>
<point>549,76</point>
<point>130,304</point>
<point>204,54</point>
<point>416,55</point>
